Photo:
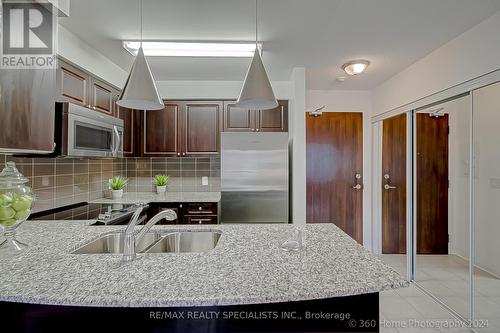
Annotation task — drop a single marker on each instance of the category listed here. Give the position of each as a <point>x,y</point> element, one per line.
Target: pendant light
<point>257,93</point>
<point>140,91</point>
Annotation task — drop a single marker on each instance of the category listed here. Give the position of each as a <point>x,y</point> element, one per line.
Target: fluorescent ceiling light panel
<point>192,49</point>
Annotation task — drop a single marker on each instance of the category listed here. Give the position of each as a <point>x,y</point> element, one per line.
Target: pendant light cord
<point>256,24</point>
<point>141,20</point>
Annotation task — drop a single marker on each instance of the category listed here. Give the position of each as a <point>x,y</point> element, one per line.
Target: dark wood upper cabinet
<point>201,128</point>
<point>72,84</point>
<point>102,97</point>
<point>27,110</point>
<point>243,120</point>
<point>129,130</point>
<point>273,120</point>
<point>237,119</point>
<point>160,131</point>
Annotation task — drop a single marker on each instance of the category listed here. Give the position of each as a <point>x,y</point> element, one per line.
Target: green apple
<point>6,213</point>
<point>22,215</point>
<point>22,203</point>
<point>5,199</point>
<point>8,223</point>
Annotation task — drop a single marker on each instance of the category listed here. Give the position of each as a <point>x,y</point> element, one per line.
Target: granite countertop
<point>247,267</point>
<point>148,197</point>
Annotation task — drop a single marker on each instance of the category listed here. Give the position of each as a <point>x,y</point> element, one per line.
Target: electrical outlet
<point>204,181</point>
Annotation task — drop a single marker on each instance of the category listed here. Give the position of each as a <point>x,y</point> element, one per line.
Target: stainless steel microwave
<point>81,132</point>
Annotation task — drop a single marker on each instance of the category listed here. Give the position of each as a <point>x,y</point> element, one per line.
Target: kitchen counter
<point>247,267</point>
<point>149,197</point>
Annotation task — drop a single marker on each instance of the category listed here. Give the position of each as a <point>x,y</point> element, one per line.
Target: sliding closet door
<point>486,217</point>
<point>442,188</point>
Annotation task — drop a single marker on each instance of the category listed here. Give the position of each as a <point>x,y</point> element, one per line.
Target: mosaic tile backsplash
<point>60,181</point>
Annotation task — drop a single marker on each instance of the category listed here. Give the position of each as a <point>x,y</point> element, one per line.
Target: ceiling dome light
<point>355,67</point>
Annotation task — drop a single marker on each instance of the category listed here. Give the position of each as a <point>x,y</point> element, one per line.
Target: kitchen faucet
<point>130,238</point>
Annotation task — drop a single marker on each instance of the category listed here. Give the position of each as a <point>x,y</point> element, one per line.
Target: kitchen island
<point>247,270</point>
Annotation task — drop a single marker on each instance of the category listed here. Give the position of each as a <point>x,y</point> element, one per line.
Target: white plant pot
<point>117,194</point>
<point>161,189</point>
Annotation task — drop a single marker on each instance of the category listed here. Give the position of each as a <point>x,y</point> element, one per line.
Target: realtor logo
<point>28,35</point>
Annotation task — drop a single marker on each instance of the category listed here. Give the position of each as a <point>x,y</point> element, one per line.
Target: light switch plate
<point>204,181</point>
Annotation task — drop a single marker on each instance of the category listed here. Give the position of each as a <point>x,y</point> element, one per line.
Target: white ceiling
<point>317,34</point>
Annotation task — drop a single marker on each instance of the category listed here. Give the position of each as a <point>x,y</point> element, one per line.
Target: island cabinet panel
<point>244,120</point>
<point>27,110</point>
<point>72,84</point>
<point>102,97</point>
<point>160,131</point>
<point>237,119</point>
<point>201,128</point>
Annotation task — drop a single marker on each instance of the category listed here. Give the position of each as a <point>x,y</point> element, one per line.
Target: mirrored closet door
<point>442,201</point>
<point>393,159</point>
<point>486,203</point>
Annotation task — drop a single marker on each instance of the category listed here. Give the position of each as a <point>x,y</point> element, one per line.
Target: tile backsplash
<point>61,181</point>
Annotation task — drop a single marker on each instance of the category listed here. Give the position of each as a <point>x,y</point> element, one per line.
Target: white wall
<point>470,55</point>
<point>297,128</point>
<point>352,101</point>
<point>77,51</point>
<point>215,89</point>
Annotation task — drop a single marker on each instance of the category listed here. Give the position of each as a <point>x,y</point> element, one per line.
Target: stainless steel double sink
<point>155,242</point>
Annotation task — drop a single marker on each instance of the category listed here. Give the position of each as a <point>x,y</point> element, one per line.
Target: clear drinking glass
<point>297,241</point>
<point>16,201</point>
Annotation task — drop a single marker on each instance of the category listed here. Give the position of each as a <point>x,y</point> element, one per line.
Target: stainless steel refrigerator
<point>254,178</point>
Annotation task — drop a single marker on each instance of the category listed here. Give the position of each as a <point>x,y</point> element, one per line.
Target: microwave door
<point>87,137</point>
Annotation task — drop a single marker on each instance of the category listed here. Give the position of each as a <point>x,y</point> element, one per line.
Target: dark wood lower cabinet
<point>187,213</point>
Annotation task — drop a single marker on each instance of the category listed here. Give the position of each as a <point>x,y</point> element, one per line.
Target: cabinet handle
<point>183,154</point>
<point>253,129</point>
<point>200,208</point>
<point>257,130</point>
<point>178,154</point>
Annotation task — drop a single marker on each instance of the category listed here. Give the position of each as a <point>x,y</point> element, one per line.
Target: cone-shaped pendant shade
<point>257,93</point>
<point>140,91</point>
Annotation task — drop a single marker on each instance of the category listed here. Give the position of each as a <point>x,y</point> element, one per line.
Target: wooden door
<point>129,130</point>
<point>201,128</point>
<point>102,97</point>
<point>432,184</point>
<point>273,120</point>
<point>72,84</point>
<point>394,185</point>
<point>334,158</point>
<point>237,119</point>
<point>160,131</point>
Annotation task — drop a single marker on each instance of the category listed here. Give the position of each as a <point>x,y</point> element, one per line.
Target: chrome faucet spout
<point>167,214</point>
<point>130,238</point>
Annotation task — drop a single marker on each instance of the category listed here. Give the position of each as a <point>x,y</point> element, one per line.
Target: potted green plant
<point>161,182</point>
<point>117,184</point>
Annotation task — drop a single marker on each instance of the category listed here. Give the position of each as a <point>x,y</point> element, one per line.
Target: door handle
<point>358,187</point>
<point>117,142</point>
<point>389,187</point>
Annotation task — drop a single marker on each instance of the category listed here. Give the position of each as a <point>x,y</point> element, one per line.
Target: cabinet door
<point>273,120</point>
<point>129,130</point>
<point>27,110</point>
<point>160,131</point>
<point>72,84</point>
<point>237,119</point>
<point>102,96</point>
<point>201,128</point>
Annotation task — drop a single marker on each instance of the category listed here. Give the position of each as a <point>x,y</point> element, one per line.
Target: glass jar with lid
<point>16,201</point>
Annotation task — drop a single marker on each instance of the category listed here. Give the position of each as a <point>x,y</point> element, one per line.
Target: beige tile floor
<point>446,277</point>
